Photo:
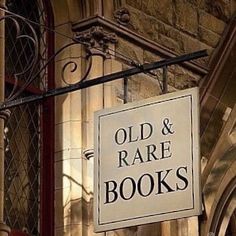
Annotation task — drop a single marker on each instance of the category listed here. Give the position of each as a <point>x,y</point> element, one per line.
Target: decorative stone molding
<point>97,39</point>
<point>131,36</point>
<point>122,16</point>
<point>89,153</point>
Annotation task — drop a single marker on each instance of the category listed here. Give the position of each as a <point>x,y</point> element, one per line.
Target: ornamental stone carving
<point>122,16</point>
<point>96,39</point>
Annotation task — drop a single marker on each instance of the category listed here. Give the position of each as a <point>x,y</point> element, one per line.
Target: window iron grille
<point>23,132</point>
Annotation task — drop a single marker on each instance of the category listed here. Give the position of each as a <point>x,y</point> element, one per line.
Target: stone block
<point>142,86</point>
<point>182,81</point>
<point>129,50</point>
<point>186,17</point>
<point>135,3</point>
<point>210,22</point>
<point>181,78</point>
<point>149,57</point>
<point>145,25</point>
<point>168,30</point>
<point>170,43</point>
<point>61,13</point>
<point>191,44</point>
<point>62,111</point>
<point>208,37</point>
<point>70,230</point>
<point>161,9</point>
<point>221,9</point>
<point>62,137</point>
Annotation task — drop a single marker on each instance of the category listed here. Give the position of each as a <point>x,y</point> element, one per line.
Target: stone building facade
<point>116,35</point>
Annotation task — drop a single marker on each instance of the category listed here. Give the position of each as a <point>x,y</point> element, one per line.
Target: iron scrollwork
<point>95,41</point>
<point>16,21</point>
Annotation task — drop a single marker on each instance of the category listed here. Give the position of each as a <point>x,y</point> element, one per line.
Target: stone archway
<point>224,204</point>
<point>219,188</point>
<point>218,142</point>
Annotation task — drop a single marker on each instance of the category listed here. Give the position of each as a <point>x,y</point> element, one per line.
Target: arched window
<point>28,158</point>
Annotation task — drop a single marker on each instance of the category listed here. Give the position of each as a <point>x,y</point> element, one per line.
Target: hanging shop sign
<point>147,165</point>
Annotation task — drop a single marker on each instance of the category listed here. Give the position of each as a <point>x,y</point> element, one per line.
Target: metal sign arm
<point>104,79</point>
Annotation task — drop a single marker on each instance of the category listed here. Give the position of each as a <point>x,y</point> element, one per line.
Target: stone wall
<point>146,85</point>
<point>182,26</point>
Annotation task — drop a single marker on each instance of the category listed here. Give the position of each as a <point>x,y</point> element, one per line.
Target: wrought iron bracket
<point>82,84</point>
<point>96,41</point>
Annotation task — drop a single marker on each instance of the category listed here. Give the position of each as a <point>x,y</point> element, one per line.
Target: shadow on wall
<point>80,203</point>
<point>72,212</point>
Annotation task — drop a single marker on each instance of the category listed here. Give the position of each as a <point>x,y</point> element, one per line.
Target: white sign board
<point>147,165</point>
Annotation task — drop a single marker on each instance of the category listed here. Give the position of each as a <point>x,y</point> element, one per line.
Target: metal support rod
<point>103,79</point>
<point>125,90</point>
<point>165,80</point>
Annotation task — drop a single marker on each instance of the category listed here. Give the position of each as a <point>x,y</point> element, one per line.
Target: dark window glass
<point>23,134</point>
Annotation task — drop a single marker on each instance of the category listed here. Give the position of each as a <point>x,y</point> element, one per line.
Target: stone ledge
<point>212,23</point>
<point>136,39</point>
<point>208,37</point>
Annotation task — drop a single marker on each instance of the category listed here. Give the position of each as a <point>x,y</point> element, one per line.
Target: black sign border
<point>98,176</point>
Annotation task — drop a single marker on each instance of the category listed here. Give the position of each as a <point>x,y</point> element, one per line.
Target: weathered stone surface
<point>135,3</point>
<point>186,17</point>
<point>198,3</point>
<point>169,31</point>
<point>161,9</point>
<point>145,25</point>
<point>219,8</point>
<point>129,50</point>
<point>189,32</point>
<point>191,44</point>
<point>150,57</point>
<point>170,43</point>
<point>211,22</point>
<point>142,86</point>
<point>181,78</point>
<point>172,35</point>
<point>208,37</point>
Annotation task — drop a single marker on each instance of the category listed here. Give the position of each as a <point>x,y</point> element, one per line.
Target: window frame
<point>47,123</point>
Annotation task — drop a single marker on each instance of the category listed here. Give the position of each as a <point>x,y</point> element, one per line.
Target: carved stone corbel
<point>122,16</point>
<point>96,40</point>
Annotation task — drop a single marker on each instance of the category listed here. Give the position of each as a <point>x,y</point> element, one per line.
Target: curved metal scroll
<point>75,67</point>
<point>21,36</point>
<point>29,71</point>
